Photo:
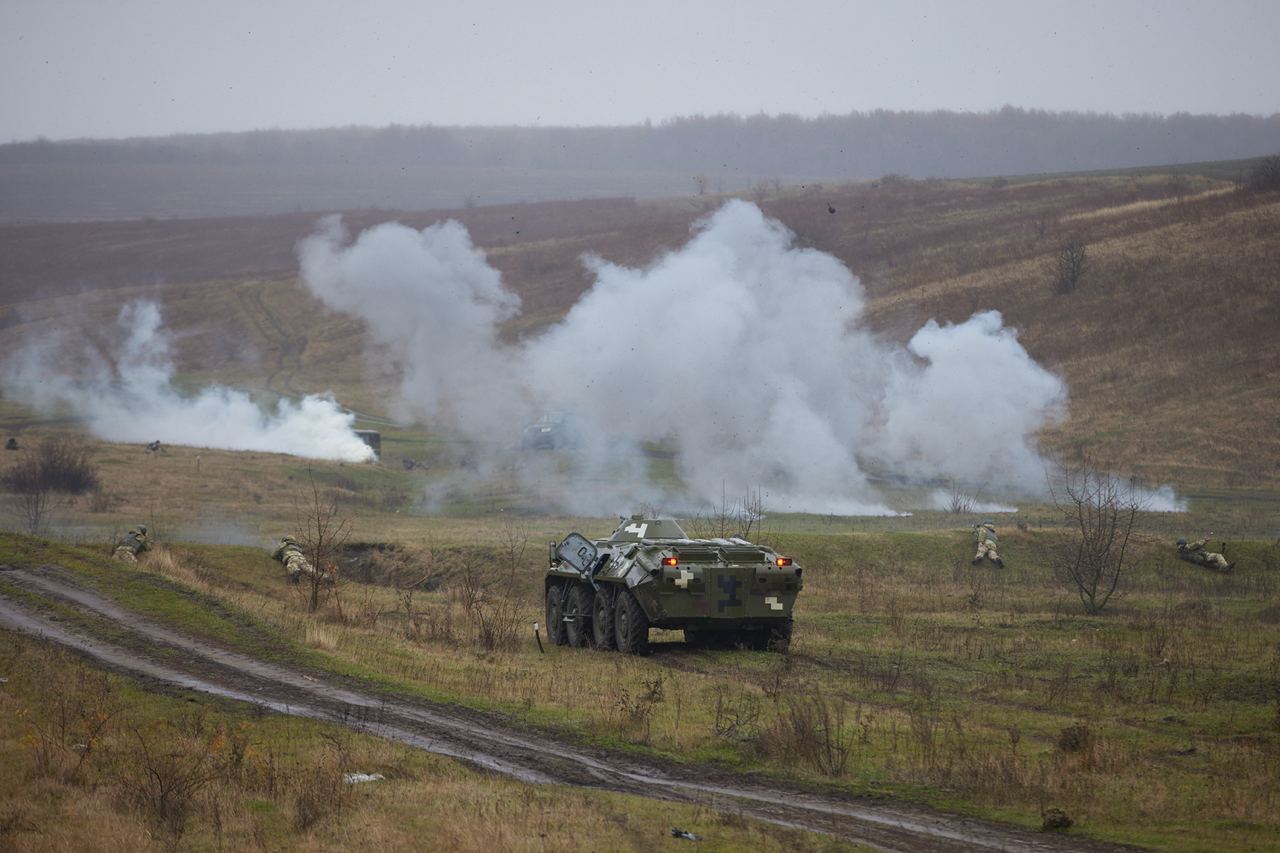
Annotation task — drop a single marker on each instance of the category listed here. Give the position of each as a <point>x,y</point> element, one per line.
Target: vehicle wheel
<point>577,611</point>
<point>555,615</point>
<point>602,620</point>
<point>630,625</point>
<point>779,638</point>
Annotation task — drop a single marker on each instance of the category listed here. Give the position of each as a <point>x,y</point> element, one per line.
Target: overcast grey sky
<point>117,68</point>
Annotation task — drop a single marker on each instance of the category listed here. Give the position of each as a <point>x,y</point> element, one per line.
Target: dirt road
<point>158,654</point>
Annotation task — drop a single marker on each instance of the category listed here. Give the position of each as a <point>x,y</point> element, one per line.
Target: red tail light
<point>670,561</point>
<point>783,561</point>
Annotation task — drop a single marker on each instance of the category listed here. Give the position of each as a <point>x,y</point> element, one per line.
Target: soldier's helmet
<point>142,528</point>
<point>1182,542</point>
<point>990,524</point>
<point>288,540</point>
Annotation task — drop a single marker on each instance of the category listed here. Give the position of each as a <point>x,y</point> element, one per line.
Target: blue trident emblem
<point>729,585</point>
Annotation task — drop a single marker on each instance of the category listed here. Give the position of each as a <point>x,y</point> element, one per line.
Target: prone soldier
<point>295,562</point>
<point>131,545</point>
<point>984,535</point>
<point>1194,552</point>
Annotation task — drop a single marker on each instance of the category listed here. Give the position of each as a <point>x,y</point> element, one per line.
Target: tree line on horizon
<point>729,152</point>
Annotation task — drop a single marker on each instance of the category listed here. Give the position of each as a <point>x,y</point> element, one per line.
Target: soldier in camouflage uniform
<point>984,535</point>
<point>131,545</point>
<point>1194,552</point>
<point>296,565</point>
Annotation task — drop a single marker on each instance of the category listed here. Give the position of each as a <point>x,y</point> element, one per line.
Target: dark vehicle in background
<point>608,593</point>
<point>552,431</point>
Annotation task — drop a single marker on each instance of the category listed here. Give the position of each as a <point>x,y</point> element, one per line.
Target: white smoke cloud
<point>1159,499</point>
<point>971,410</point>
<point>129,395</point>
<point>740,351</point>
<point>431,299</point>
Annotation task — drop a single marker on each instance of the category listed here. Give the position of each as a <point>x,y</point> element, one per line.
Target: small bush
<point>171,770</point>
<point>59,464</point>
<point>1075,738</point>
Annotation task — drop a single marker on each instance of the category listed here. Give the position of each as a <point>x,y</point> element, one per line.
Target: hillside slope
<point>1168,345</point>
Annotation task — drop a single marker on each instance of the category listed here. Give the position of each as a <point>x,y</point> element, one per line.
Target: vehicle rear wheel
<point>577,613</point>
<point>555,615</point>
<point>755,639</point>
<point>602,620</point>
<point>630,625</point>
<point>779,638</point>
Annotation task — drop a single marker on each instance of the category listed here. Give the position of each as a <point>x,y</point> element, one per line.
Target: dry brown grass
<point>174,777</point>
<point>1145,206</point>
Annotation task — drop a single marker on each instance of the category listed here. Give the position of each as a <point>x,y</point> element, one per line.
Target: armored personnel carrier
<point>608,593</point>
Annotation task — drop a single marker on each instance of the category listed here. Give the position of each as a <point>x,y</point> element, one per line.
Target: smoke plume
<point>740,352</point>
<point>128,395</point>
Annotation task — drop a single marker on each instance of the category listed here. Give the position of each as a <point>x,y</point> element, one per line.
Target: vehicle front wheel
<point>555,615</point>
<point>630,625</point>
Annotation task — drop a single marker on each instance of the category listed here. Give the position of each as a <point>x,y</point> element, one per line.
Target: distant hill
<point>416,168</point>
<point>1168,344</point>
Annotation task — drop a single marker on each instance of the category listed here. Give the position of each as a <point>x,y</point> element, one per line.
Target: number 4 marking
<point>637,529</point>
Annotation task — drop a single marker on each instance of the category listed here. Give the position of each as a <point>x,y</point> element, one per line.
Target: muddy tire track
<point>164,656</point>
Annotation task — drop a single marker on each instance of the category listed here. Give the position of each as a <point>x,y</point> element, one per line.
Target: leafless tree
<point>33,506</point>
<point>323,533</point>
<point>1070,265</point>
<point>739,518</point>
<point>959,501</point>
<point>1101,509</point>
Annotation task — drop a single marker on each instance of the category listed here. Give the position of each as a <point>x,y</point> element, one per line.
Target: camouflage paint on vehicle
<point>608,592</point>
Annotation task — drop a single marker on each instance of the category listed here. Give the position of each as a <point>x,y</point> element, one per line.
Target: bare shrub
<point>63,739</point>
<point>1100,509</point>
<point>737,715</point>
<point>490,598</point>
<point>815,730</point>
<point>1069,266</point>
<point>170,770</point>
<point>637,708</point>
<point>320,791</point>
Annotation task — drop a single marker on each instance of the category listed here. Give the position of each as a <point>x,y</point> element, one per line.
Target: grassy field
<point>96,762</point>
<point>913,674</point>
